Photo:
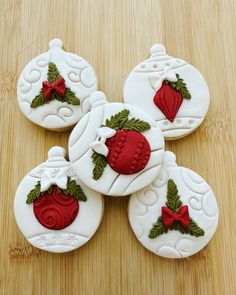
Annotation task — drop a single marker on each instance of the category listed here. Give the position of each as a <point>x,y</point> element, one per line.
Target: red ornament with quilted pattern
<point>129,152</point>
<point>55,210</point>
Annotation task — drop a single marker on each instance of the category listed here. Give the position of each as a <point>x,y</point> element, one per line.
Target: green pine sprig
<point>157,229</point>
<point>38,100</point>
<point>34,194</point>
<point>73,190</point>
<point>53,73</point>
<point>120,121</point>
<point>100,163</point>
<point>53,76</point>
<point>181,87</point>
<point>173,200</point>
<point>174,203</point>
<point>136,125</point>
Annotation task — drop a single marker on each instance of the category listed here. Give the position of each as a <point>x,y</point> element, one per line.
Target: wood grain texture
<point>115,35</point>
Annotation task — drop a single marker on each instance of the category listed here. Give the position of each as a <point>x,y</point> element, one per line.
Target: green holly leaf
<point>177,226</point>
<point>100,163</point>
<point>53,73</point>
<point>173,200</point>
<point>70,97</point>
<point>74,190</point>
<point>194,229</point>
<point>38,100</point>
<point>34,194</point>
<point>157,229</point>
<point>56,96</point>
<point>136,125</point>
<point>117,121</point>
<point>181,87</point>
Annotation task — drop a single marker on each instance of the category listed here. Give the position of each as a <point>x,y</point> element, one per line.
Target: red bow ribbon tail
<point>58,86</point>
<point>169,217</point>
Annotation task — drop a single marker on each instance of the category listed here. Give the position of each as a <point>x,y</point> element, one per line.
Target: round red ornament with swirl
<point>55,210</point>
<point>129,152</point>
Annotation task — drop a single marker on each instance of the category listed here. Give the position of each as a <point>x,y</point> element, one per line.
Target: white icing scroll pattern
<point>33,73</point>
<point>185,246</point>
<point>162,178</point>
<point>65,111</point>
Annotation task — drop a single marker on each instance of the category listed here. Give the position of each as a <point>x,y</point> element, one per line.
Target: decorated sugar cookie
<point>54,211</point>
<point>54,88</point>
<point>175,216</point>
<point>170,90</point>
<point>116,149</point>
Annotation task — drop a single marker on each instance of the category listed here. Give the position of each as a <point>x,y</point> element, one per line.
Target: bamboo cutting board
<point>115,35</point>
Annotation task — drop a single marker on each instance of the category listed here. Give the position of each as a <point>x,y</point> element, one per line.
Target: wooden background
<point>115,35</point>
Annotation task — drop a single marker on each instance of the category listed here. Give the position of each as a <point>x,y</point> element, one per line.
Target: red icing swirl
<point>56,210</point>
<point>129,152</point>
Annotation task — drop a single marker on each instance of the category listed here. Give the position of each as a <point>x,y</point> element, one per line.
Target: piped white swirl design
<point>138,91</point>
<point>79,77</point>
<point>145,208</point>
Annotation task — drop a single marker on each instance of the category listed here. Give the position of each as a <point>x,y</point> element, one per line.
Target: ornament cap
<point>55,43</point>
<point>56,151</point>
<point>97,98</point>
<point>169,159</point>
<point>157,48</point>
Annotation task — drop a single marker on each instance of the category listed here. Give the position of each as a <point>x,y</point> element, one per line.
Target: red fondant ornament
<point>129,151</point>
<point>168,100</point>
<point>55,210</point>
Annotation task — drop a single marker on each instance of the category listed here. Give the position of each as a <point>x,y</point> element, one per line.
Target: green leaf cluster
<point>174,203</point>
<point>53,76</point>
<point>181,87</point>
<point>173,200</point>
<point>73,190</point>
<point>100,163</point>
<point>120,121</point>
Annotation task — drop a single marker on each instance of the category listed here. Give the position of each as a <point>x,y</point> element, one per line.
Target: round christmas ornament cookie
<point>116,149</point>
<point>175,216</point>
<point>54,88</point>
<point>54,211</point>
<point>170,90</point>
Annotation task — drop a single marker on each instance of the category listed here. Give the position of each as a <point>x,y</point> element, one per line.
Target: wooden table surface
<point>115,35</point>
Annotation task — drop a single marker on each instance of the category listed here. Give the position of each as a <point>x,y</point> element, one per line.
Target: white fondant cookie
<point>54,87</point>
<point>54,211</point>
<point>175,216</point>
<point>170,90</point>
<point>116,149</point>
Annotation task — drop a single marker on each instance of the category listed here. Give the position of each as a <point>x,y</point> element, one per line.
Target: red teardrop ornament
<point>129,152</point>
<point>56,210</point>
<point>168,100</point>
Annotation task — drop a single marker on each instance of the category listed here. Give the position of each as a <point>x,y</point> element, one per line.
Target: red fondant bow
<point>58,86</point>
<point>169,217</point>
